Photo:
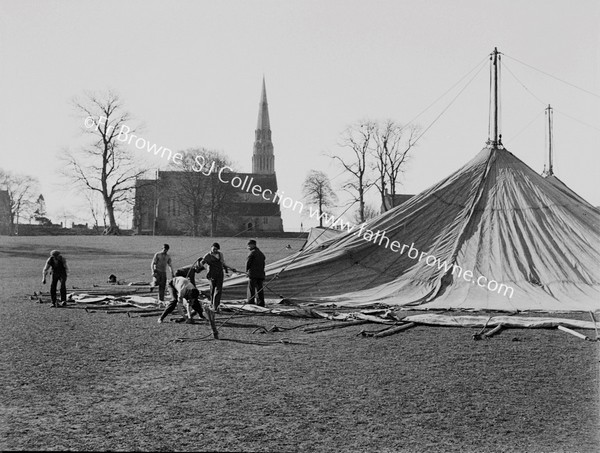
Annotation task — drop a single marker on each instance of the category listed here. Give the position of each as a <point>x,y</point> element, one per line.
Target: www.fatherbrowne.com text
<point>226,175</point>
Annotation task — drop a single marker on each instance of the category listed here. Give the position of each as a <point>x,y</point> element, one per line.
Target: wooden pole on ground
<point>338,325</point>
<point>477,336</point>
<point>147,315</point>
<point>572,332</point>
<point>210,314</point>
<point>394,330</point>
<point>494,331</point>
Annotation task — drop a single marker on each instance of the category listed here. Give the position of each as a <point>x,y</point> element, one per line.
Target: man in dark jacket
<point>215,261</point>
<point>56,264</point>
<point>255,268</point>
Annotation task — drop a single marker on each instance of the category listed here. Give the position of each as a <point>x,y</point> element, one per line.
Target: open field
<point>95,381</point>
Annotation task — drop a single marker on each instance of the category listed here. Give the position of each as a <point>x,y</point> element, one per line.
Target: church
<point>162,208</point>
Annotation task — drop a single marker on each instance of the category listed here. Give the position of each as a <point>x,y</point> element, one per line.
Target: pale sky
<point>191,71</point>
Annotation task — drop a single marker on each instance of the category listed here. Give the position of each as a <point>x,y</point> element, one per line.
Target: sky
<point>191,73</point>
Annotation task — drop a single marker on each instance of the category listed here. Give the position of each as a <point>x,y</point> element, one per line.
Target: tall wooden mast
<point>495,138</point>
<point>550,170</point>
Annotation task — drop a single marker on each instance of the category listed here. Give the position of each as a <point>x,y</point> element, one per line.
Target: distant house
<point>395,200</point>
<point>5,223</point>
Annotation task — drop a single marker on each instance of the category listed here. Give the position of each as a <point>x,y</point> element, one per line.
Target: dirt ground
<point>77,380</point>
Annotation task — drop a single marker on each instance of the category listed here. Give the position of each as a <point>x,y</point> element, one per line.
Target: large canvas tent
<point>549,173</point>
<point>526,244</point>
<point>567,190</point>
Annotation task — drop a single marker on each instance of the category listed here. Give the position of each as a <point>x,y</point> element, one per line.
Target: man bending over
<point>186,293</point>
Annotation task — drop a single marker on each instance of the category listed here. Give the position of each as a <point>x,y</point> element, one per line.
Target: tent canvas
<point>318,237</point>
<point>493,218</point>
<point>567,190</point>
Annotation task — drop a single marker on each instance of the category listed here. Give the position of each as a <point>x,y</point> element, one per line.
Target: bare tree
<point>198,191</point>
<point>369,213</point>
<point>221,194</point>
<point>21,194</point>
<point>317,190</point>
<point>221,199</point>
<point>106,166</point>
<point>190,190</point>
<point>97,209</point>
<point>392,144</point>
<point>358,138</point>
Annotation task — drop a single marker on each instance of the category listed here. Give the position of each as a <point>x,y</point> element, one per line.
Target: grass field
<point>73,380</point>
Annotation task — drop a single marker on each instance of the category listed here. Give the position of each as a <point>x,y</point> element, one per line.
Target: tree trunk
<point>112,229</point>
<point>382,192</point>
<point>361,201</point>
<point>196,221</point>
<point>362,209</point>
<point>321,212</point>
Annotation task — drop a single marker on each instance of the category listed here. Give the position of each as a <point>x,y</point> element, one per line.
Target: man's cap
<point>54,253</point>
<point>251,242</point>
<point>217,246</point>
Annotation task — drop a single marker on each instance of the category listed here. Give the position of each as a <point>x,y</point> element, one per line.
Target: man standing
<point>216,263</point>
<point>160,263</point>
<point>56,264</point>
<point>186,293</point>
<point>255,268</point>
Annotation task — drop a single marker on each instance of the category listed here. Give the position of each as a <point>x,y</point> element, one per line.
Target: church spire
<point>263,160</point>
<point>263,111</point>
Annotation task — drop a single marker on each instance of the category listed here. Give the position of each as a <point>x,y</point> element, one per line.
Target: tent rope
<point>554,77</point>
<point>447,107</point>
<point>480,63</point>
<point>266,285</point>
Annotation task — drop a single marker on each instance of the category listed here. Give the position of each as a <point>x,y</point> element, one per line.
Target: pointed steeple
<point>263,111</point>
<point>263,160</point>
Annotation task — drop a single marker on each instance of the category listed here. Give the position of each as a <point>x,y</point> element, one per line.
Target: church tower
<point>263,160</point>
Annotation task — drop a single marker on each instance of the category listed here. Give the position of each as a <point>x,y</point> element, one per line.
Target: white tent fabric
<point>432,319</point>
<point>319,237</point>
<point>494,235</point>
